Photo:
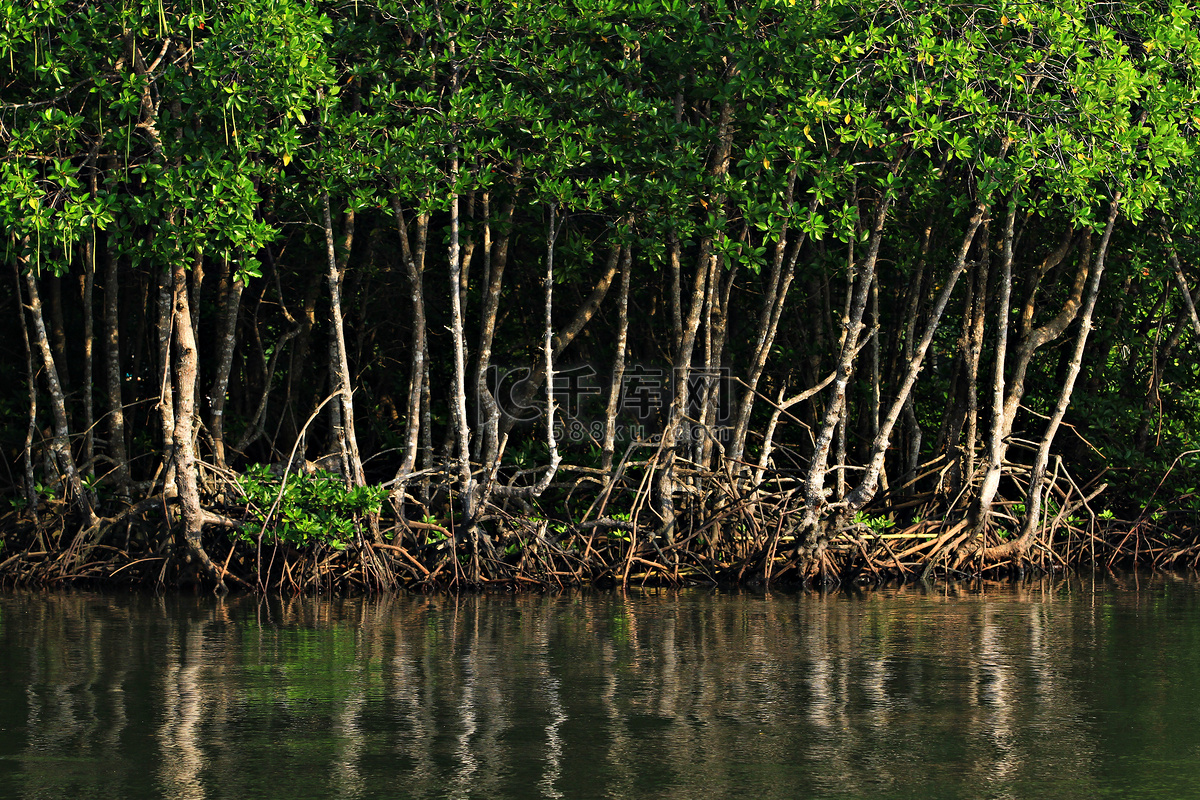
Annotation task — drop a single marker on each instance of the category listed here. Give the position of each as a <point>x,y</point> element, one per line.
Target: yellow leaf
<point>929,61</point>
<point>1149,45</point>
<point>808,134</point>
<point>1020,78</point>
<point>1021,17</point>
<point>847,119</point>
<point>1003,20</point>
<point>287,159</point>
<point>766,163</point>
<point>912,98</point>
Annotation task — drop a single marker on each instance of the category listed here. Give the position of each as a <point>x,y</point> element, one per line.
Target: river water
<point>1073,689</point>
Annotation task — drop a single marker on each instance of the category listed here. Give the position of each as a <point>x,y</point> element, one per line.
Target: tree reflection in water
<point>988,692</point>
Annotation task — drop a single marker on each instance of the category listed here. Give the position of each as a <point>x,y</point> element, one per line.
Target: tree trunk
<point>462,427</point>
<point>496,260</point>
<point>113,377</point>
<point>31,498</point>
<point>87,290</point>
<point>783,271</point>
<point>339,366</point>
<point>61,442</point>
<point>188,545</point>
<point>166,392</point>
<point>706,265</point>
<point>231,299</point>
<point>814,480</point>
<point>1033,502</point>
<point>865,491</point>
<point>608,448</point>
<point>414,266</point>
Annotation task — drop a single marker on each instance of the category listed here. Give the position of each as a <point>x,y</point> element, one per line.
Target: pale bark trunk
<point>496,255</point>
<point>550,347</point>
<point>783,271</point>
<point>340,363</point>
<point>681,368</point>
<point>982,506</point>
<point>189,546</point>
<point>1031,340</point>
<point>166,390</point>
<point>706,265</point>
<point>414,265</point>
<point>462,426</point>
<point>913,434</point>
<point>839,448</point>
<point>865,491</point>
<point>676,289</point>
<point>563,339</point>
<point>1033,502</point>
<point>975,351</point>
<point>814,481</point>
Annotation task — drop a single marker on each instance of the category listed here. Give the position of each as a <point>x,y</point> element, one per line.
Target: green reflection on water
<point>1055,690</point>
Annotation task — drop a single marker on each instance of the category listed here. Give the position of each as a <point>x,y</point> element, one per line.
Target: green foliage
<point>877,524</point>
<point>311,509</point>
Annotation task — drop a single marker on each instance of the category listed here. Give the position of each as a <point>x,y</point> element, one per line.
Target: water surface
<point>1071,689</point>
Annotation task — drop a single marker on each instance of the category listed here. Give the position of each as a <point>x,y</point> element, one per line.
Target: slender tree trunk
<point>814,480</point>
<point>496,254</point>
<point>551,346</point>
<point>166,391</point>
<point>975,349</point>
<point>1037,479</point>
<point>530,387</point>
<point>912,426</point>
<point>87,287</point>
<point>61,442</point>
<point>839,450</point>
<point>339,366</point>
<point>676,289</point>
<point>112,375</point>
<point>865,491</point>
<point>608,448</point>
<point>548,352</point>
<point>982,506</point>
<point>231,300</point>
<point>414,265</point>
<point>462,426</point>
<point>681,369</point>
<point>58,330</point>
<point>1004,411</point>
<point>706,265</point>
<point>31,498</point>
<point>783,271</point>
<point>714,376</point>
<point>188,543</point>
